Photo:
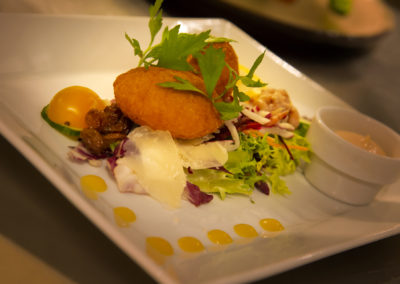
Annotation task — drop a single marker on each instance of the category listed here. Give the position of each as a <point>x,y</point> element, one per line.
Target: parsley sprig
<point>172,52</point>
<point>155,24</point>
<point>174,47</point>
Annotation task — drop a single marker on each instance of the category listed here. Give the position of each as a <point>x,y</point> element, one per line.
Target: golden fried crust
<point>185,114</point>
<point>230,58</point>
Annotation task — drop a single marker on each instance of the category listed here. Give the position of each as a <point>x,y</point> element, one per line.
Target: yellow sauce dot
<point>271,225</point>
<point>124,216</point>
<point>219,237</point>
<point>158,249</point>
<point>160,245</point>
<point>91,185</point>
<point>190,244</point>
<point>245,231</point>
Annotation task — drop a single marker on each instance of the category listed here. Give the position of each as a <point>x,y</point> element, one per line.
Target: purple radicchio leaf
<point>112,163</point>
<point>120,150</point>
<point>195,196</point>
<point>222,169</point>
<point>79,153</point>
<point>262,186</point>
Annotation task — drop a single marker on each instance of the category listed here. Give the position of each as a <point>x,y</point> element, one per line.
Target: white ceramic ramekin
<point>344,171</point>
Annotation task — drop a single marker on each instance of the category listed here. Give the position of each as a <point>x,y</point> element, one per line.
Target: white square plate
<point>40,55</point>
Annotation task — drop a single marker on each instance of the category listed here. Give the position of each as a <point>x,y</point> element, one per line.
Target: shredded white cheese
<point>286,125</point>
<point>235,135</point>
<point>254,116</point>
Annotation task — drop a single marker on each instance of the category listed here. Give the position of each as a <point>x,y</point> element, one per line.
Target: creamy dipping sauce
<point>364,142</point>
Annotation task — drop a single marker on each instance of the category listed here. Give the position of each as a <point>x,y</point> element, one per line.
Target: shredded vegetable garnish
<point>234,134</point>
<point>256,117</point>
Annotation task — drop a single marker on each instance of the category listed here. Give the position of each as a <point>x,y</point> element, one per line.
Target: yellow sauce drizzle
<point>92,185</point>
<point>160,245</point>
<point>124,216</point>
<point>158,249</point>
<point>219,237</point>
<point>190,244</point>
<point>245,231</point>
<point>271,225</point>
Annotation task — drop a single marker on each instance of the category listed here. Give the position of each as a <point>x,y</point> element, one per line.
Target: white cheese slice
<point>157,165</point>
<point>203,156</point>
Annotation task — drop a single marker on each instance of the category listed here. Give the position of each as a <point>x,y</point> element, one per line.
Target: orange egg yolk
<point>70,105</point>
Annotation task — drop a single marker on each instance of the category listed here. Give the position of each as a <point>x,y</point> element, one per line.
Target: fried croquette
<point>230,58</point>
<point>185,114</point>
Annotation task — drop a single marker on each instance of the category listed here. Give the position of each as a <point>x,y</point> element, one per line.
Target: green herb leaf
<point>154,9</point>
<point>176,47</point>
<point>135,44</point>
<point>233,78</point>
<point>302,129</point>
<point>228,110</point>
<point>182,85</point>
<point>172,53</point>
<point>213,39</point>
<point>155,22</point>
<point>242,96</point>
<point>211,63</point>
<point>255,65</point>
<point>251,83</point>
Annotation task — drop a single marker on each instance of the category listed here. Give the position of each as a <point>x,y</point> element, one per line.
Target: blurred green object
<point>342,7</point>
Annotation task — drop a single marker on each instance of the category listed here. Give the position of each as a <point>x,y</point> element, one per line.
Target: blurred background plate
<point>311,21</point>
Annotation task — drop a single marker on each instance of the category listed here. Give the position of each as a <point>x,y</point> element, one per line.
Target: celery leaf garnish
<point>155,22</point>
<point>182,85</point>
<point>256,63</point>
<point>211,63</point>
<point>173,52</point>
<point>176,47</point>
